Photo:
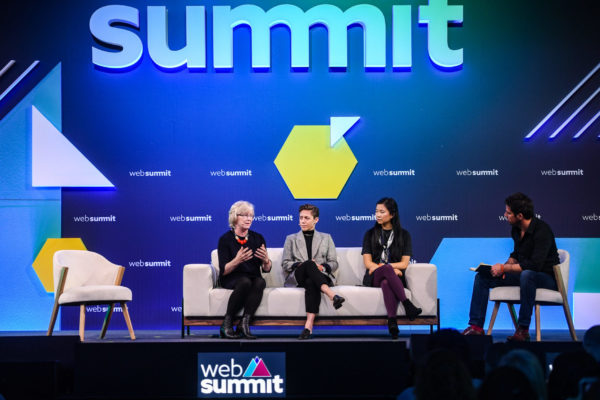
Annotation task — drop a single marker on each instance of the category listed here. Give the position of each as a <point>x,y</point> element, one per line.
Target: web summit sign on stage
<point>241,375</point>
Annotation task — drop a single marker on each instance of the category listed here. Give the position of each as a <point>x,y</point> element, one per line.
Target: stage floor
<point>283,334</point>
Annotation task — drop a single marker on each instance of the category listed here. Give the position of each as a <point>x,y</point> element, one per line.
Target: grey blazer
<point>294,250</point>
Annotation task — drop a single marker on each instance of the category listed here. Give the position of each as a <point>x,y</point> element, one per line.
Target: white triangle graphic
<point>55,162</point>
<point>339,126</point>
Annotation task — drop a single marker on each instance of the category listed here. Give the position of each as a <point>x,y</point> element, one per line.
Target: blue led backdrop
<point>180,109</point>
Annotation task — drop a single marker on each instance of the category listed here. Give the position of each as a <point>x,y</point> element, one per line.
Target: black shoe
<point>393,328</point>
<point>226,330</point>
<point>244,328</point>
<point>306,334</point>
<point>412,312</point>
<point>337,301</point>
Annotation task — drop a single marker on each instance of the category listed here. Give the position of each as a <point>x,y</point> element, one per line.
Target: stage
<point>336,363</point>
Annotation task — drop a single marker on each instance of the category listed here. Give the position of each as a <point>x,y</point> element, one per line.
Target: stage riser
<point>62,367</point>
<point>321,369</point>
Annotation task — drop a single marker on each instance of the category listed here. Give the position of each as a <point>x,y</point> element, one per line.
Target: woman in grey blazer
<point>309,260</point>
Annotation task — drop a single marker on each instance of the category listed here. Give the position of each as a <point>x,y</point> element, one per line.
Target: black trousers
<point>247,294</point>
<point>310,278</point>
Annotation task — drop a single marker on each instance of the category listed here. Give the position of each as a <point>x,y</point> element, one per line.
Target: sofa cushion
<point>513,293</point>
<point>95,293</point>
<point>289,302</point>
<point>350,272</point>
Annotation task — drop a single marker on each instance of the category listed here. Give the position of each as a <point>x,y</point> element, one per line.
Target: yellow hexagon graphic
<point>43,262</point>
<point>311,166</point>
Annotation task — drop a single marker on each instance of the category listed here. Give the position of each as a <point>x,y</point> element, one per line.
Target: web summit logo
<point>220,375</point>
<point>118,27</point>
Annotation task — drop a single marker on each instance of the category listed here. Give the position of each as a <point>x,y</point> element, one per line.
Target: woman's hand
<point>243,254</point>
<point>398,272</point>
<point>261,253</point>
<point>373,267</point>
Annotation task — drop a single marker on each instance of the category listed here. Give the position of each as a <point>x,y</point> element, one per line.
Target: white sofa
<point>204,303</point>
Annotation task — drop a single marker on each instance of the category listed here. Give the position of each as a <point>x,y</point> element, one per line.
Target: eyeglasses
<point>246,216</point>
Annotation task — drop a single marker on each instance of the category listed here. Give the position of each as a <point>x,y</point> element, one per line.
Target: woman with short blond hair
<point>242,255</point>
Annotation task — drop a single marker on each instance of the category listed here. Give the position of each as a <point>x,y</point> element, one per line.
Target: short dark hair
<point>520,204</point>
<point>313,209</point>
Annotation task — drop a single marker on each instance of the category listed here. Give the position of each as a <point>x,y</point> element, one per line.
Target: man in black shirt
<point>529,266</point>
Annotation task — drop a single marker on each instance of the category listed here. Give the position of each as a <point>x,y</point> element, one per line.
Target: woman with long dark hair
<point>386,251</point>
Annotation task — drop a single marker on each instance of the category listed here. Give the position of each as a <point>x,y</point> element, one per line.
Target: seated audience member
<point>443,376</point>
<point>567,371</point>
<point>506,383</point>
<point>446,339</point>
<point>589,389</point>
<point>242,254</point>
<point>529,266</point>
<point>591,342</point>
<point>529,365</point>
<point>309,259</point>
<point>493,355</point>
<point>387,249</point>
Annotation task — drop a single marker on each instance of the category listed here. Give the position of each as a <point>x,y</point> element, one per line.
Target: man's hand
<point>497,269</point>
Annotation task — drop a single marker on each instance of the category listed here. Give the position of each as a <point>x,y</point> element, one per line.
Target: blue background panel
<point>520,60</point>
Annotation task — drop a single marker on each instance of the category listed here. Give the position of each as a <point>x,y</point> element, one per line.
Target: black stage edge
<point>62,367</point>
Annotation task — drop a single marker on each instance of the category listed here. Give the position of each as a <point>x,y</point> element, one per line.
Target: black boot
<point>227,328</point>
<point>411,311</point>
<point>393,327</point>
<point>244,326</point>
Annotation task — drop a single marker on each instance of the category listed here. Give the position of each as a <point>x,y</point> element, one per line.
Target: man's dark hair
<point>313,209</point>
<point>520,204</point>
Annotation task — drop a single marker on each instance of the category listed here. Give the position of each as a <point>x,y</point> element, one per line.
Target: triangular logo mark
<point>257,369</point>
<point>56,162</point>
<point>261,370</point>
<point>339,126</point>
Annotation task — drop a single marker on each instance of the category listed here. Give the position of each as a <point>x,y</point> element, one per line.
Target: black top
<point>537,249</point>
<point>308,237</point>
<point>373,246</point>
<point>229,247</point>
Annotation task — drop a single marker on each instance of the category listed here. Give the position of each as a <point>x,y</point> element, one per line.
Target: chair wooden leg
<point>107,317</point>
<point>569,318</point>
<point>493,317</point>
<point>58,292</point>
<point>81,321</point>
<point>513,314</point>
<point>53,319</point>
<point>538,323</point>
<point>128,320</point>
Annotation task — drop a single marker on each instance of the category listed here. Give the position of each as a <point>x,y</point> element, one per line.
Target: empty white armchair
<point>86,278</point>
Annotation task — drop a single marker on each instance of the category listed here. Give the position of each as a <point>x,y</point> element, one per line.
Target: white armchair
<point>86,278</point>
<point>543,297</point>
